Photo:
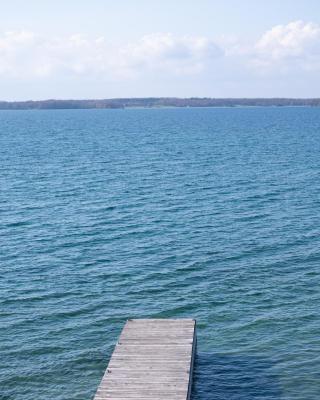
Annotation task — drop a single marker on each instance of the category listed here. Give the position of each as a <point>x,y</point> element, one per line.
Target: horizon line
<point>158,102</point>
<point>159,98</point>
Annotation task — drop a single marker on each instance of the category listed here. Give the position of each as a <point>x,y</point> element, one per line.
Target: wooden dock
<point>153,360</point>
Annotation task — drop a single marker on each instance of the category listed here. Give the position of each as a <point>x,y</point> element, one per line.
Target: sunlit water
<point>204,213</point>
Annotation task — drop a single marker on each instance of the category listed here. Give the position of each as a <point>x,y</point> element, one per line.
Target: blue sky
<point>101,48</point>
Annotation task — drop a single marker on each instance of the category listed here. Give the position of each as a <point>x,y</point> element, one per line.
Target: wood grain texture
<point>153,360</point>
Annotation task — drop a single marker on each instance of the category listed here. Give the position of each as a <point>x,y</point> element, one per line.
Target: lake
<point>206,213</point>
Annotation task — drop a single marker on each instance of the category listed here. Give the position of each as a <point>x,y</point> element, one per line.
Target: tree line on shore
<point>154,102</point>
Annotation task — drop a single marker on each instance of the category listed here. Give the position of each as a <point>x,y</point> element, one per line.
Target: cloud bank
<point>26,54</point>
<point>293,48</point>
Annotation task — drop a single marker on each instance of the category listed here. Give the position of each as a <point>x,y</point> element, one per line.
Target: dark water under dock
<point>209,213</point>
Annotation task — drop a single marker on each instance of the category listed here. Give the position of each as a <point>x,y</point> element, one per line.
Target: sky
<point>169,48</point>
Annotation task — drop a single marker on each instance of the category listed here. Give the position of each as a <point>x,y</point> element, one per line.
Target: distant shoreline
<point>158,102</point>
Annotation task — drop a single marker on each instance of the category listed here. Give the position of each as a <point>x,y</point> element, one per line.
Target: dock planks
<point>153,360</point>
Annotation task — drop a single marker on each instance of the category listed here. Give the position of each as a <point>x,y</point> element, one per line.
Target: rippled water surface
<point>204,213</point>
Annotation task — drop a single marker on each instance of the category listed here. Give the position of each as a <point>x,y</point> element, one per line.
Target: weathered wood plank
<point>153,360</point>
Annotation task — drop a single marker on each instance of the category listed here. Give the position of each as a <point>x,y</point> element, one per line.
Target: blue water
<point>204,213</point>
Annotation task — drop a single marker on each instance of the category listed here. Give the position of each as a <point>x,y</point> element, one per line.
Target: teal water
<point>204,213</point>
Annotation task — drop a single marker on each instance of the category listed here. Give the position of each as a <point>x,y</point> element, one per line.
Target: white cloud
<point>282,49</point>
<point>25,54</point>
<point>295,45</point>
<point>176,54</point>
